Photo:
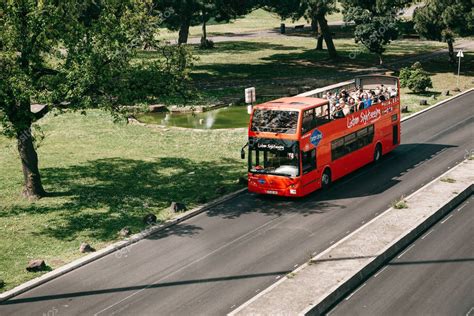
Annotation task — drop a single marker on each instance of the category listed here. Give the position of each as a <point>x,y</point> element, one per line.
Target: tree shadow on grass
<point>105,195</point>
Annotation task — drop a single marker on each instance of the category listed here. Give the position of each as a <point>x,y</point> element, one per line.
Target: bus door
<point>309,165</point>
<point>395,135</point>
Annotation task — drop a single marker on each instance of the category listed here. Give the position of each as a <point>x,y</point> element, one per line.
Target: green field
<point>103,177</point>
<point>257,20</point>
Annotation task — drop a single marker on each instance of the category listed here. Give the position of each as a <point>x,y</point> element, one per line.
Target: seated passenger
<point>393,92</point>
<point>344,107</point>
<point>339,113</point>
<point>352,104</point>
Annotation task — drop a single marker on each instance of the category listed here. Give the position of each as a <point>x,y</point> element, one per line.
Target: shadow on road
<point>139,287</point>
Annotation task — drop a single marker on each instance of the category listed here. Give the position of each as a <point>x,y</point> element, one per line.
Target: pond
<point>229,117</point>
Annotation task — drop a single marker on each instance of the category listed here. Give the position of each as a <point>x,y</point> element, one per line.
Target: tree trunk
<point>319,44</point>
<point>33,188</point>
<point>204,30</point>
<point>380,59</point>
<point>326,32</point>
<point>314,25</point>
<point>452,60</point>
<point>184,31</point>
<point>317,31</point>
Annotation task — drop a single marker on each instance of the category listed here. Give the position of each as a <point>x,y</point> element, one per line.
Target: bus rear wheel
<point>377,153</point>
<point>326,179</point>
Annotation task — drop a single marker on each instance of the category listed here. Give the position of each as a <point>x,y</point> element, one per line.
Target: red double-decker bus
<point>300,144</point>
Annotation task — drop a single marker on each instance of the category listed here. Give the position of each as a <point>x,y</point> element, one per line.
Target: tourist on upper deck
<point>338,113</point>
<point>352,104</point>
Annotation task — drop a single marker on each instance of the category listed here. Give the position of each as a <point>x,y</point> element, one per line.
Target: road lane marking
<point>469,313</point>
<point>459,209</point>
<point>427,234</point>
<point>380,271</point>
<point>277,277</point>
<point>444,221</point>
<point>232,307</point>
<point>405,251</point>
<point>295,265</point>
<point>352,294</point>
<point>190,264</point>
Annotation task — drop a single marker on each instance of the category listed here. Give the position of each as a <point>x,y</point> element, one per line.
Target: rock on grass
<point>36,265</point>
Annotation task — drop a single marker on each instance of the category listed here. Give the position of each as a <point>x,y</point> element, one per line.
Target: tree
<point>75,55</point>
<point>415,78</point>
<point>186,13</point>
<point>314,11</point>
<point>443,20</point>
<point>375,22</point>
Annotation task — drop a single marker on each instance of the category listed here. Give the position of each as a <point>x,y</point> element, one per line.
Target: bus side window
<point>308,159</point>
<point>308,118</point>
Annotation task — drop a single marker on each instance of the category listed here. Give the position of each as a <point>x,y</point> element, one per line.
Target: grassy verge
<point>104,177</point>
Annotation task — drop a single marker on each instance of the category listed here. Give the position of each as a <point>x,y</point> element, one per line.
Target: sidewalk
<point>329,276</point>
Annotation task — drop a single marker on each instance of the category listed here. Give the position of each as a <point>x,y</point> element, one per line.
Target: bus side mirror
<point>242,154</point>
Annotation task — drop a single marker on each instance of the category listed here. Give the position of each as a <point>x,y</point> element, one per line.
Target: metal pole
<point>459,70</point>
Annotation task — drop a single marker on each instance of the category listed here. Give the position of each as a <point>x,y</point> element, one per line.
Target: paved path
<point>433,276</point>
<point>216,261</point>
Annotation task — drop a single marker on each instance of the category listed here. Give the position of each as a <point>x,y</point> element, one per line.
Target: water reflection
<point>230,117</point>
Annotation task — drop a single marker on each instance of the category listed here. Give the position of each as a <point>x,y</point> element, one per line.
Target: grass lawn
<point>257,20</point>
<point>103,177</point>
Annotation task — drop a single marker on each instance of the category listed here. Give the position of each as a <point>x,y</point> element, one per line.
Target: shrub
<point>415,78</point>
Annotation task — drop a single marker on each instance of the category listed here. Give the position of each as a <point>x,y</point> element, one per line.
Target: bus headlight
<point>292,191</point>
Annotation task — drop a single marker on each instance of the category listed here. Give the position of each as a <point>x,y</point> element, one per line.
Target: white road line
<point>347,232</point>
<point>352,294</point>
<point>314,253</point>
<point>380,271</point>
<point>258,290</point>
<point>427,234</point>
<point>189,264</point>
<point>444,221</point>
<point>232,307</point>
<point>469,313</point>
<point>277,277</point>
<point>295,265</point>
<point>459,209</point>
<point>331,242</point>
<point>405,251</point>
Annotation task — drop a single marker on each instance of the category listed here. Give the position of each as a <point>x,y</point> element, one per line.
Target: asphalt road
<point>217,260</point>
<point>432,276</point>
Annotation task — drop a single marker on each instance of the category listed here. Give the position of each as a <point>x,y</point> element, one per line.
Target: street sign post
<point>459,55</point>
<point>250,98</point>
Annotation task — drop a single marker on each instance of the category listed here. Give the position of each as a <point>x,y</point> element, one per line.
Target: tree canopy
<point>375,22</point>
<point>76,55</point>
<point>443,20</point>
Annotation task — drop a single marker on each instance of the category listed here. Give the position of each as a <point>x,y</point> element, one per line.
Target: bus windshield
<point>274,156</point>
<point>274,121</point>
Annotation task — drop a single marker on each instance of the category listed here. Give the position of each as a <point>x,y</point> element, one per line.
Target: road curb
<point>350,285</point>
<point>337,293</point>
<point>437,104</point>
<point>114,247</point>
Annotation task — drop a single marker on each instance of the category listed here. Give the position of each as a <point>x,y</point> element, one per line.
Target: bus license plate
<point>272,192</point>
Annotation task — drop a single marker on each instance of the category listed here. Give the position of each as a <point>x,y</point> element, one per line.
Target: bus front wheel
<point>326,179</point>
<point>377,153</point>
